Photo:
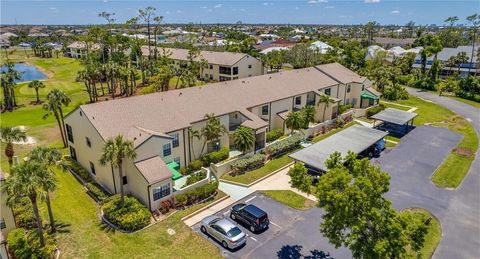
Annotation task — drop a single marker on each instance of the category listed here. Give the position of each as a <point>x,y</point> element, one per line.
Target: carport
<point>394,120</point>
<point>356,138</point>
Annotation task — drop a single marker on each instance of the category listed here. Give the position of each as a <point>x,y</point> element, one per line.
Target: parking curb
<point>204,208</point>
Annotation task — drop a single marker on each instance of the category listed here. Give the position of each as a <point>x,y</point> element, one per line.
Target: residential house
<point>463,69</point>
<point>320,46</point>
<point>221,66</point>
<point>79,49</point>
<point>160,124</point>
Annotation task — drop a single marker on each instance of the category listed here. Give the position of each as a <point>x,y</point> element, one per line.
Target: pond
<point>28,73</point>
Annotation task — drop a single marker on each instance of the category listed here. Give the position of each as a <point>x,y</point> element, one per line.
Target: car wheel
<point>252,229</point>
<point>224,244</point>
<point>232,216</point>
<point>203,229</point>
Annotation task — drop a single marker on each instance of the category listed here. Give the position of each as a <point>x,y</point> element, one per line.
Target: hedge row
<point>79,170</point>
<point>195,195</point>
<point>215,157</point>
<point>133,215</point>
<point>24,243</point>
<point>274,135</point>
<point>283,146</point>
<point>195,178</point>
<point>248,163</point>
<point>374,110</point>
<point>97,191</point>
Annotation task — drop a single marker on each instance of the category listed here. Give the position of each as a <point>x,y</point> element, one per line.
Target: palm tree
<point>48,157</point>
<point>213,130</point>
<point>244,139</point>
<point>8,135</point>
<point>308,113</point>
<point>193,134</point>
<point>27,180</point>
<point>114,152</point>
<point>326,100</point>
<point>294,121</point>
<point>474,20</point>
<point>461,58</point>
<point>35,84</point>
<point>55,100</point>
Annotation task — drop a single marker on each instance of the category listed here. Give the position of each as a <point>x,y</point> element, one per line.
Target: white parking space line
<point>276,225</point>
<point>226,212</point>
<point>254,239</point>
<point>251,198</point>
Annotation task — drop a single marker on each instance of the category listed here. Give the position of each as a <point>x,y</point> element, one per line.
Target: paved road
<point>461,217</point>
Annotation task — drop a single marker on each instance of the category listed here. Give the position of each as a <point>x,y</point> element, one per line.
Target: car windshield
<point>234,232</point>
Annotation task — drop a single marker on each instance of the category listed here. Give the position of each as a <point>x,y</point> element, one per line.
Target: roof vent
<point>270,78</point>
<point>135,138</point>
<point>180,94</point>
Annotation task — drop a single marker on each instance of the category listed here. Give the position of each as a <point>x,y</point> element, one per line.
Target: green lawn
<point>269,167</point>
<point>403,108</point>
<point>433,236</point>
<point>84,236</point>
<point>452,171</point>
<point>290,199</point>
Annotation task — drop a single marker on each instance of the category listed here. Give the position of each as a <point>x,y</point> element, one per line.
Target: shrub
<point>215,157</point>
<point>344,108</point>
<point>248,163</point>
<point>25,244</point>
<point>195,178</point>
<point>195,166</point>
<point>79,170</point>
<point>299,178</point>
<point>195,195</point>
<point>274,135</point>
<point>132,216</point>
<point>283,146</point>
<point>97,191</point>
<point>23,213</point>
<point>374,110</point>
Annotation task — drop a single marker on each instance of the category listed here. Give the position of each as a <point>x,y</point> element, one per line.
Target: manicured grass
<point>290,199</point>
<point>390,144</point>
<point>433,236</point>
<point>392,138</point>
<point>328,134</point>
<point>403,108</point>
<point>469,102</point>
<point>269,167</point>
<point>84,236</point>
<point>452,171</point>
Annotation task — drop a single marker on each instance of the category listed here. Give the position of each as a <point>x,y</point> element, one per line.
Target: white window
<point>162,191</point>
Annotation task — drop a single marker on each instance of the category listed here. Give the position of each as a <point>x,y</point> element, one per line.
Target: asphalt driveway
<point>292,233</point>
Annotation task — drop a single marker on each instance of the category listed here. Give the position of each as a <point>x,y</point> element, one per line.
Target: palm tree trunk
<point>61,129</point>
<point>50,213</point>
<point>33,200</point>
<point>63,125</point>
<point>324,111</point>
<point>9,152</point>
<point>120,173</point>
<point>36,91</point>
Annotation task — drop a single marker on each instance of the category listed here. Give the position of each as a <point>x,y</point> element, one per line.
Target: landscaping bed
<point>132,216</point>
<point>290,199</point>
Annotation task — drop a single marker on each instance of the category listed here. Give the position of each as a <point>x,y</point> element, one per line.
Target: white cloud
<point>395,12</point>
<point>52,8</point>
<point>217,6</point>
<point>317,1</point>
<point>179,11</point>
<point>242,10</point>
<point>267,4</point>
<point>167,12</point>
<point>329,7</point>
<point>296,8</point>
<point>372,1</point>
<point>345,16</point>
<point>203,7</point>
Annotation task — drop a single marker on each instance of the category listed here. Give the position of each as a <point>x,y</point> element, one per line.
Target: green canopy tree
<point>359,217</point>
<point>27,180</point>
<point>299,178</point>
<point>8,135</point>
<point>244,139</point>
<point>114,152</point>
<point>35,84</point>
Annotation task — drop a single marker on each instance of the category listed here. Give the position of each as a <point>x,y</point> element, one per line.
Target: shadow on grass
<point>294,252</point>
<point>107,228</point>
<point>62,227</point>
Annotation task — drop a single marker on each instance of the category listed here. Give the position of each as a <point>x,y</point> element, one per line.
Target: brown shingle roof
<point>341,73</point>
<point>212,57</point>
<point>174,110</point>
<point>153,169</point>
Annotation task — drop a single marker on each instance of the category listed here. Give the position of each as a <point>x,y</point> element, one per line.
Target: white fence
<point>320,127</point>
<point>194,185</point>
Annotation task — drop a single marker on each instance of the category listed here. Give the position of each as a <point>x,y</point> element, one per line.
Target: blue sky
<point>252,11</point>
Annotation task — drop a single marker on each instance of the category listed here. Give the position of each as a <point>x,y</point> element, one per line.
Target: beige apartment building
<point>222,66</point>
<point>79,49</point>
<point>159,124</point>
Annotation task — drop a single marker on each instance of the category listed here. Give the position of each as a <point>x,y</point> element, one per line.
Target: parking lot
<point>291,234</point>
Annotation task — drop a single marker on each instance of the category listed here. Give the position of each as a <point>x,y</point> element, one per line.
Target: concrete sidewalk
<point>210,211</point>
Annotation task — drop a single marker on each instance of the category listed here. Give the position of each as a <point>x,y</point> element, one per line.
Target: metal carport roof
<point>394,116</point>
<point>355,138</point>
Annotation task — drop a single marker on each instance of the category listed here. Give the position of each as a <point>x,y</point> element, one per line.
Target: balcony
<point>233,126</point>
